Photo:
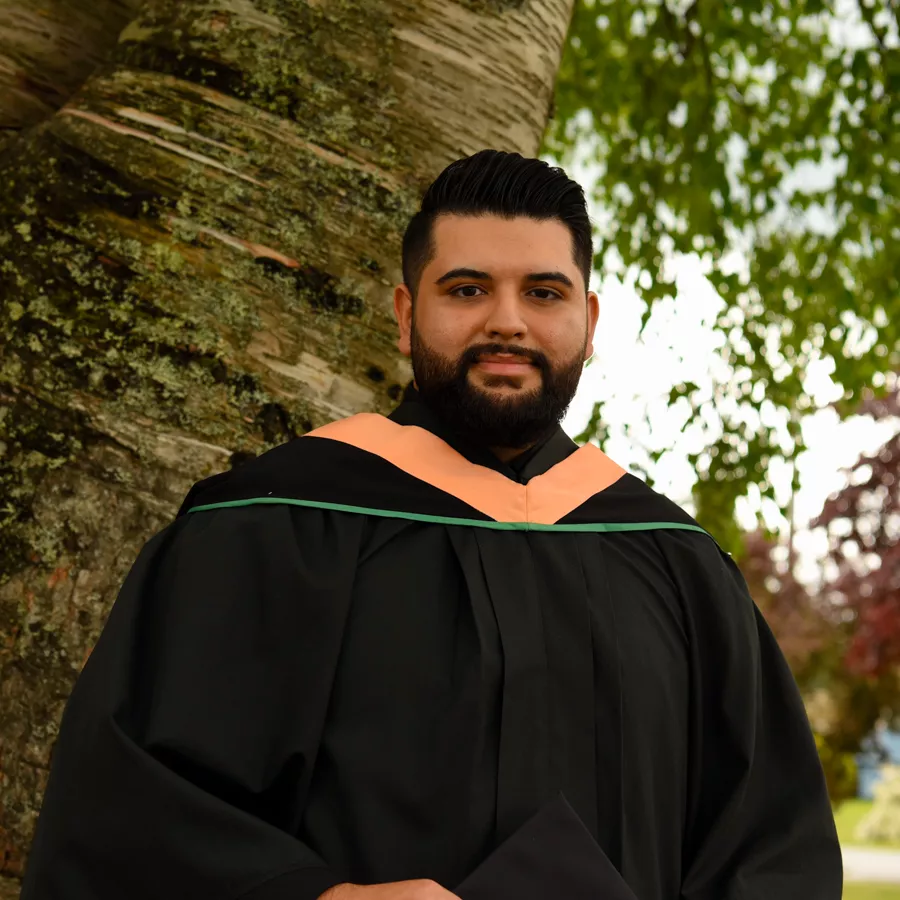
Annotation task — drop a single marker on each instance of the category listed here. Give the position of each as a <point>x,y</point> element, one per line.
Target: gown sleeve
<point>186,749</point>
<point>759,823</point>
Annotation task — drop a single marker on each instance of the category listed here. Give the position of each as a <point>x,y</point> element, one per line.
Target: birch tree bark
<point>47,50</point>
<point>196,260</point>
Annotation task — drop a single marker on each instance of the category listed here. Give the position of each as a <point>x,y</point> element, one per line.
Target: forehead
<point>493,243</point>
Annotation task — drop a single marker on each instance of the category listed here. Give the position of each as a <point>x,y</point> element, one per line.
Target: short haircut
<point>494,182</point>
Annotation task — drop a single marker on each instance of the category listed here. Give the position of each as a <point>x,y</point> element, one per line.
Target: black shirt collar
<point>553,449</point>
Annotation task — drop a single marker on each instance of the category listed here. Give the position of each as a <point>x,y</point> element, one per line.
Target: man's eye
<point>545,294</point>
<point>470,290</point>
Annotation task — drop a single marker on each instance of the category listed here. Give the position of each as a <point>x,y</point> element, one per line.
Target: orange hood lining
<point>544,500</point>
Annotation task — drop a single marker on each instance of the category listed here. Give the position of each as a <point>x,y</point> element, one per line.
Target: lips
<point>505,358</point>
<point>499,364</point>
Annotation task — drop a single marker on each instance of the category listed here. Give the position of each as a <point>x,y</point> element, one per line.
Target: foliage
<point>866,891</point>
<point>882,824</point>
<point>762,128</point>
<point>841,713</point>
<point>843,645</point>
<point>847,817</point>
<point>816,635</point>
<point>864,528</point>
<point>804,632</point>
<point>844,709</point>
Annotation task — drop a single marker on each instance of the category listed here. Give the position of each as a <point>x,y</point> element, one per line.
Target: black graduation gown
<point>369,657</point>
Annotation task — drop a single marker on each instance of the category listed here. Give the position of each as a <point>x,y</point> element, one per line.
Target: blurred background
<point>744,165</point>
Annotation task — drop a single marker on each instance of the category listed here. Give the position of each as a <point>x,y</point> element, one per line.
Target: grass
<point>848,816</point>
<point>853,891</point>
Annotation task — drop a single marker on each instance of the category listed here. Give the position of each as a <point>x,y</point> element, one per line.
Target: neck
<point>505,454</point>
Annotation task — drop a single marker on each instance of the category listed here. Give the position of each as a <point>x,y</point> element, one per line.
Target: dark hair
<point>494,182</point>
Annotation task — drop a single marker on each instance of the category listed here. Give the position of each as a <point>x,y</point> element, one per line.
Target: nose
<point>504,317</point>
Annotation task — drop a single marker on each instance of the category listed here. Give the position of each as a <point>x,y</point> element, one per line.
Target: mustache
<point>472,354</point>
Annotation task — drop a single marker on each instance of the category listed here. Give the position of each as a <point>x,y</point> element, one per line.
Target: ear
<point>593,311</point>
<point>403,312</point>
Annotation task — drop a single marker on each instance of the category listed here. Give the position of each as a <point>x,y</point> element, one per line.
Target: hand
<point>419,889</point>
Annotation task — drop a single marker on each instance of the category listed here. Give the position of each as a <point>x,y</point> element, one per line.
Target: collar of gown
<point>553,449</point>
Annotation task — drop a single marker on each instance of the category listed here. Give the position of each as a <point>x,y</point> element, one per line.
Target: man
<point>444,653</point>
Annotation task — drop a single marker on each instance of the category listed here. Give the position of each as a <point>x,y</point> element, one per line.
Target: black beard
<point>516,422</point>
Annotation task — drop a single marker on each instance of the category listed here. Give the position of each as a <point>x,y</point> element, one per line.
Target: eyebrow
<point>550,276</point>
<point>558,277</point>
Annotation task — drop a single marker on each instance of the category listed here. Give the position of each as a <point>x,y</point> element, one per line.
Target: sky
<point>633,375</point>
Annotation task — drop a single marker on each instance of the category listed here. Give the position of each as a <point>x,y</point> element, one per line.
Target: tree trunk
<point>196,261</point>
<point>47,49</point>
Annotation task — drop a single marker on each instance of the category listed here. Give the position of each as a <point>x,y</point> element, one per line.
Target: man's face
<point>500,328</point>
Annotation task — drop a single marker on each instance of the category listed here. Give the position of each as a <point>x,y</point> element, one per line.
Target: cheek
<point>560,340</point>
<point>555,337</point>
<point>449,335</point>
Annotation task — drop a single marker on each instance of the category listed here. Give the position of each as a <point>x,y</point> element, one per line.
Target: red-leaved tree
<point>863,521</point>
<point>843,643</point>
